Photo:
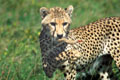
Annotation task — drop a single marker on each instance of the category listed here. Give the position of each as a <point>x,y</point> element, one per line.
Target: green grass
<point>20,57</point>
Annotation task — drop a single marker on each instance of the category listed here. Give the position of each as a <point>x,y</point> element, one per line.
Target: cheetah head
<point>56,20</point>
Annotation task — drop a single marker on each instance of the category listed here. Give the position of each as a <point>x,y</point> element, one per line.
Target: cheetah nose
<point>59,36</point>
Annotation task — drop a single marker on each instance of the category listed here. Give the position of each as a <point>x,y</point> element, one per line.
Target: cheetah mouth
<point>66,40</point>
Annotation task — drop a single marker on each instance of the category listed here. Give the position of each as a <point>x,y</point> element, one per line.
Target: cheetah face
<point>57,21</point>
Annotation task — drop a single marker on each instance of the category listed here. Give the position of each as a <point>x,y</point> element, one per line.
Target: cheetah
<point>72,50</point>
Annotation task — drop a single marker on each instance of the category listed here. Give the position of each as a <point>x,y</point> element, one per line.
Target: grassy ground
<point>20,57</point>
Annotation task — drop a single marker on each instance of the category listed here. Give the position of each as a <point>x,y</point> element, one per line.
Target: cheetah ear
<point>43,12</point>
<point>69,10</point>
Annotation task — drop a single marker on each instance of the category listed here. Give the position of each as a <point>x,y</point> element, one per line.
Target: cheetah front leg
<point>70,75</point>
<point>70,57</point>
<point>70,72</point>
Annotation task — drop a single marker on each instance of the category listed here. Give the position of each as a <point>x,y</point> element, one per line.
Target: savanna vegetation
<point>20,26</point>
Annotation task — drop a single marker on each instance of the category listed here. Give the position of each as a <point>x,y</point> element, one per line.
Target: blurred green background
<point>20,26</point>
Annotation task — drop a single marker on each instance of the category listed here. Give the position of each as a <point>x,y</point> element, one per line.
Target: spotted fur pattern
<point>98,38</point>
<point>101,69</point>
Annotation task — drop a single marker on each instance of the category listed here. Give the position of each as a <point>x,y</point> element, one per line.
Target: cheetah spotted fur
<point>98,38</point>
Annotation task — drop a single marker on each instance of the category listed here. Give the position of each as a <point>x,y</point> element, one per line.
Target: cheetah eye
<point>53,23</point>
<point>65,23</point>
